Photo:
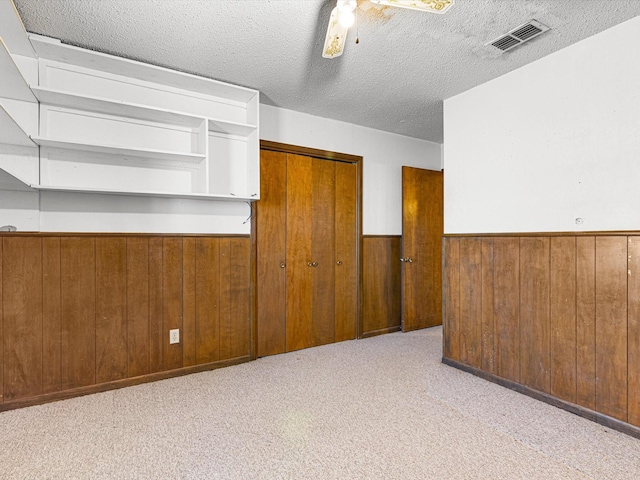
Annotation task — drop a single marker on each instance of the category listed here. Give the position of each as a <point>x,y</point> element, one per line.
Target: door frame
<point>323,155</point>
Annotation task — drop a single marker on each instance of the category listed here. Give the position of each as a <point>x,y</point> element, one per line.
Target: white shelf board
<point>121,151</point>
<point>104,191</point>
<point>9,181</point>
<point>231,128</point>
<point>53,49</point>
<point>10,131</point>
<point>13,32</point>
<point>12,83</point>
<point>111,107</point>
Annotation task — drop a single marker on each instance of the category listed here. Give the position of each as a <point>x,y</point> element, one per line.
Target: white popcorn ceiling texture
<point>395,79</point>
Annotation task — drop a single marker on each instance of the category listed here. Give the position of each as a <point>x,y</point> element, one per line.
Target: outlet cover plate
<point>174,336</point>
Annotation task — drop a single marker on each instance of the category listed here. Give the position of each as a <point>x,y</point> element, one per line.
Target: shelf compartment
<point>10,131</point>
<point>53,49</point>
<point>102,105</point>
<point>230,128</point>
<point>121,151</point>
<point>12,83</point>
<point>102,191</point>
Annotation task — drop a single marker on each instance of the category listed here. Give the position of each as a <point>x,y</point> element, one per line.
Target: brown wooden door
<point>271,253</point>
<point>299,269</point>
<point>307,256</point>
<point>422,230</point>
<point>323,252</point>
<point>346,252</point>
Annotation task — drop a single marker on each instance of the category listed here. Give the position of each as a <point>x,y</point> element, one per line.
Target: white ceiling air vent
<point>518,36</point>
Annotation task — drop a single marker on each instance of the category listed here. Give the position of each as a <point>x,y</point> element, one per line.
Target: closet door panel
<point>323,328</point>
<point>299,252</point>
<point>271,253</point>
<point>346,260</point>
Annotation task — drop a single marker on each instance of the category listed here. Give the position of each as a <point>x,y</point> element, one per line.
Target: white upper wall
<point>383,154</point>
<point>550,145</point>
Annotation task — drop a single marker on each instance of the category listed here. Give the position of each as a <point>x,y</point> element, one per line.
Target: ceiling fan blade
<point>336,37</point>
<point>432,6</point>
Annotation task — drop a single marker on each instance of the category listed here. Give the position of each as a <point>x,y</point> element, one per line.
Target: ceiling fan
<point>343,16</point>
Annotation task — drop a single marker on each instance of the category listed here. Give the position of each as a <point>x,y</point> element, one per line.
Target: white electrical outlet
<point>174,336</point>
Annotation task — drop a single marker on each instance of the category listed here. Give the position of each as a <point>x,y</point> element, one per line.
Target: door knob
<point>309,264</point>
<point>408,260</point>
<point>282,265</point>
<point>315,264</point>
<point>338,263</point>
<point>402,259</point>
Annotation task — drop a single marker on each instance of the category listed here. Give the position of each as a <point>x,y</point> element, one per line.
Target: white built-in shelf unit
<point>12,87</point>
<point>113,125</point>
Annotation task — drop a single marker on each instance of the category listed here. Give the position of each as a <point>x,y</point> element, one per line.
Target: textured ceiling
<point>395,79</point>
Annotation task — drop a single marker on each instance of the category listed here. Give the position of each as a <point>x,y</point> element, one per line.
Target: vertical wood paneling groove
<point>633,393</point>
<point>586,322</point>
<point>506,252</point>
<point>611,326</point>
<point>381,284</point>
<point>207,300</point>
<point>226,329</point>
<point>111,305</point>
<point>156,313</point>
<point>240,289</point>
<point>487,320</point>
<point>471,301</point>
<point>51,326</point>
<point>172,296</point>
<point>535,368</point>
<point>189,301</point>
<point>138,307</point>
<point>563,317</point>
<point>22,304</point>
<point>451,329</point>
<point>78,306</point>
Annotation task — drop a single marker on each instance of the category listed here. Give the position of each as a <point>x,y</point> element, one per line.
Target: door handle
<point>407,260</point>
<point>338,263</point>
<point>315,264</point>
<point>309,264</point>
<point>282,265</point>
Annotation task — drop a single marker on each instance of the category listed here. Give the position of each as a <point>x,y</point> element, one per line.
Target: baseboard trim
<point>382,331</point>
<point>125,382</point>
<point>583,412</point>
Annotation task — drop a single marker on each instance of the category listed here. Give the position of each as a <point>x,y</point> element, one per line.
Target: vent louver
<point>518,35</point>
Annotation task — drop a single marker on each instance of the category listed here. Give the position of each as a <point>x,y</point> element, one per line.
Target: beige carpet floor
<point>380,408</point>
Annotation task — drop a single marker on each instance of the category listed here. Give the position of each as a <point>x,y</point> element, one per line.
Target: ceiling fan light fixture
<point>336,36</point>
<point>343,16</point>
<point>346,18</point>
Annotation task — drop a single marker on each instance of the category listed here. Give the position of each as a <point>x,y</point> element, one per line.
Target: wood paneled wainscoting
<point>554,316</point>
<point>83,313</point>
<point>381,284</point>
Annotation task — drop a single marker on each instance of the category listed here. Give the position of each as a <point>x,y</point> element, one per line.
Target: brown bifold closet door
<point>422,230</point>
<point>346,271</point>
<point>306,252</point>
<point>271,253</point>
<point>299,269</point>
